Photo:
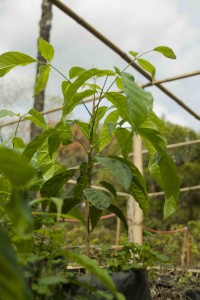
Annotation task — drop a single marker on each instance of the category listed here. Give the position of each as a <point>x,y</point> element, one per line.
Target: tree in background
<point>45,28</point>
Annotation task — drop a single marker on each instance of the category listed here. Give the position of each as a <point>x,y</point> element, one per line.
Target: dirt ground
<point>175,285</point>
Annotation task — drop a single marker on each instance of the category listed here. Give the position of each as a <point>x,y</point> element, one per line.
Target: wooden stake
<point>134,213</point>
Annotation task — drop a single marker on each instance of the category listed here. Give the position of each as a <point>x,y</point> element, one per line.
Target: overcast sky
<point>132,25</point>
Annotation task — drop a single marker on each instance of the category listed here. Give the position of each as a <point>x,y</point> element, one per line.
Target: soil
<point>176,285</point>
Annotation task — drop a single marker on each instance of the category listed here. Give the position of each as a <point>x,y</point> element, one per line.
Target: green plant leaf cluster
<point>36,188</point>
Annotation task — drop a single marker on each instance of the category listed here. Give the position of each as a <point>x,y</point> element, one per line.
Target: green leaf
<point>153,122</point>
<point>117,71</point>
<point>68,204</point>
<point>17,142</point>
<point>95,215</point>
<point>147,66</point>
<point>119,84</point>
<point>164,172</point>
<point>105,135</point>
<point>46,49</point>
<point>36,143</point>
<point>65,85</point>
<point>5,190</point>
<point>62,134</point>
<point>119,169</point>
<point>166,51</point>
<point>138,187</point>
<point>162,168</point>
<point>76,214</point>
<point>133,53</point>
<point>83,77</point>
<point>52,186</point>
<point>15,167</point>
<point>97,271</point>
<point>99,199</point>
<point>125,140</point>
<point>69,104</point>
<point>114,209</point>
<point>49,166</point>
<point>84,127</point>
<point>6,113</point>
<point>100,113</point>
<point>109,187</point>
<point>19,213</point>
<point>75,72</point>
<point>139,103</point>
<point>12,283</point>
<point>41,79</point>
<point>82,181</point>
<point>37,118</point>
<point>10,60</point>
<point>58,202</point>
<point>120,102</point>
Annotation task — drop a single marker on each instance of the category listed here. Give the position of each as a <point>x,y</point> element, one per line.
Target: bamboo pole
<point>134,212</point>
<point>123,55</point>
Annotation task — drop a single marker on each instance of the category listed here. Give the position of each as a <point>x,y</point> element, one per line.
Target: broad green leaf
<point>117,71</point>
<point>120,102</point>
<point>5,190</point>
<point>36,143</point>
<point>92,86</point>
<point>84,127</point>
<point>138,187</point>
<point>139,103</point>
<point>52,186</point>
<point>156,138</point>
<point>147,66</point>
<point>83,77</point>
<point>58,202</point>
<point>10,60</point>
<point>133,53</point>
<point>166,51</point>
<point>69,104</point>
<point>82,181</point>
<point>97,271</point>
<point>41,79</point>
<point>62,134</point>
<point>75,213</point>
<point>19,213</point>
<point>119,84</point>
<point>68,204</point>
<point>95,215</point>
<point>114,209</point>
<point>119,169</point>
<point>37,118</point>
<point>46,49</point>
<point>75,72</point>
<point>15,167</point>
<point>109,187</point>
<point>17,142</point>
<point>153,122</point>
<point>99,199</point>
<point>100,113</point>
<point>49,166</point>
<point>12,283</point>
<point>6,113</point>
<point>65,85</point>
<point>162,168</point>
<point>105,135</point>
<point>124,138</point>
<point>164,172</point>
<point>52,280</point>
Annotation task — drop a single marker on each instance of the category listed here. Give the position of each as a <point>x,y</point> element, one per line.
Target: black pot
<point>132,284</point>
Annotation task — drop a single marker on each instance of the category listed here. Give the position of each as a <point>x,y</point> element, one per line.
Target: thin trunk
<point>45,28</point>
